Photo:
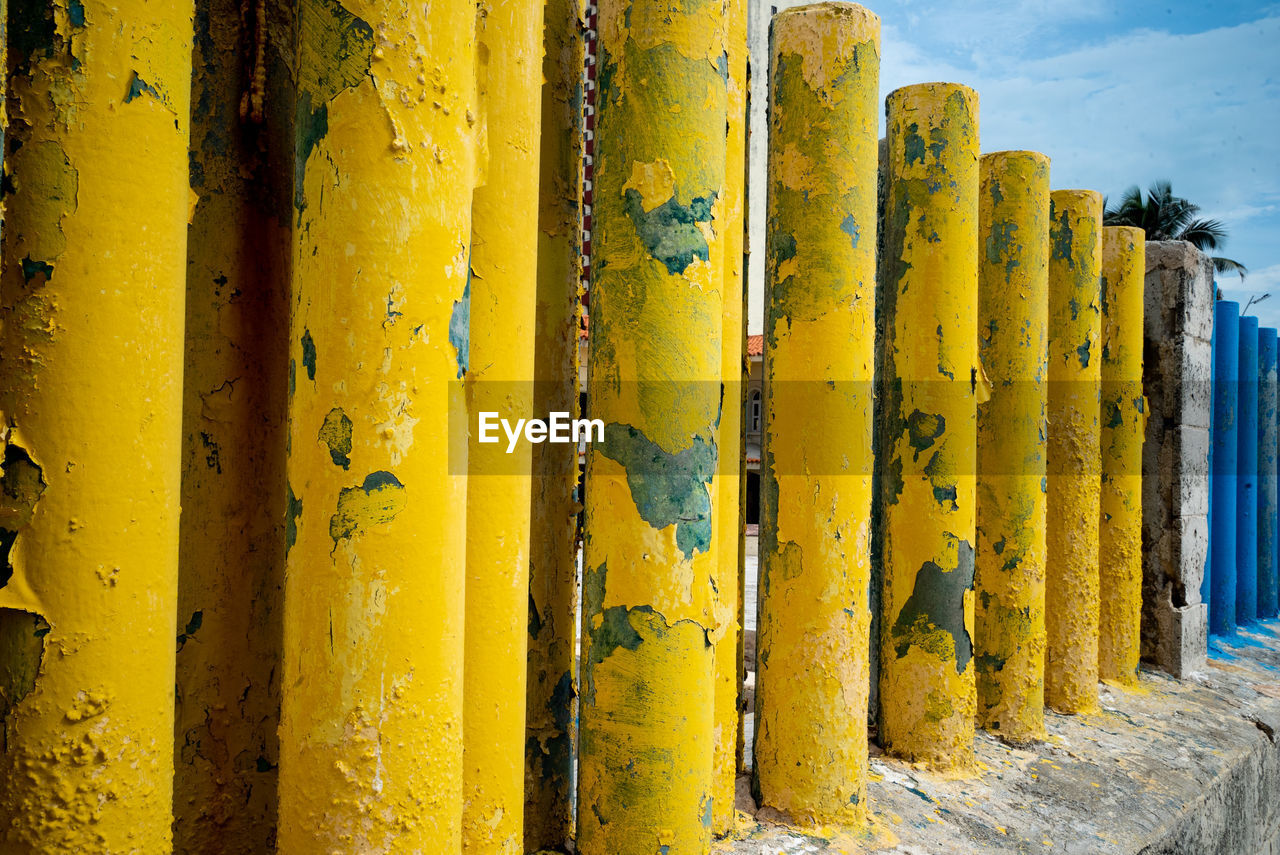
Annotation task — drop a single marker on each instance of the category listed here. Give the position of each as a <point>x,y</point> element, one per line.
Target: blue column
<point>1222,537</point>
<point>1268,434</point>
<point>1247,475</point>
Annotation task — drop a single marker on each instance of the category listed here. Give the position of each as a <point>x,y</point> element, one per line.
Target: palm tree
<point>1164,216</point>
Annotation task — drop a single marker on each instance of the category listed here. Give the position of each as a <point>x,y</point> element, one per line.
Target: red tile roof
<point>755,345</point>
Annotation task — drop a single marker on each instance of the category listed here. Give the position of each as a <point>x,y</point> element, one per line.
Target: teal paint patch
<point>75,13</point>
<point>460,328</point>
<point>32,268</point>
<point>1061,236</point>
<point>293,377</point>
<point>336,54</point>
<point>615,631</point>
<point>192,627</point>
<point>335,433</point>
<point>311,123</point>
<point>937,602</point>
<point>923,429</point>
<point>937,142</point>
<point>668,489</point>
<point>535,619</point>
<point>1083,353</point>
<point>1001,243</point>
<point>850,227</point>
<point>292,510</point>
<point>309,354</point>
<point>670,231</point>
<point>138,87</point>
<point>913,144</point>
<point>378,500</point>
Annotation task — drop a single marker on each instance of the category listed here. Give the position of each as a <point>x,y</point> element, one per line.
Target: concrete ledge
<point>1172,767</point>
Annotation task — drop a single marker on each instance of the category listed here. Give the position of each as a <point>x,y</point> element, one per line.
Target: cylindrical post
<point>647,701</point>
<point>728,654</point>
<point>1013,341</point>
<point>1074,449</point>
<point>94,278</point>
<point>1268,437</point>
<point>929,425</point>
<point>551,725</point>
<point>504,250</point>
<point>815,563</point>
<point>1226,448</point>
<point>1247,475</point>
<point>233,482</point>
<point>1123,413</point>
<point>371,717</point>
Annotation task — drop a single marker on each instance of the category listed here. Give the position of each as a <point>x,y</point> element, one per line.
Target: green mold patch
<point>21,486</point>
<point>932,619</point>
<point>336,434</point>
<point>670,232</point>
<point>667,489</point>
<point>21,651</point>
<point>377,501</point>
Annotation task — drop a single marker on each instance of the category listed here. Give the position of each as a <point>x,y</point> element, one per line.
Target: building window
<point>753,413</point>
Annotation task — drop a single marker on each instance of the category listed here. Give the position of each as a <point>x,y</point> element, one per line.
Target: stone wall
<point>1177,368</point>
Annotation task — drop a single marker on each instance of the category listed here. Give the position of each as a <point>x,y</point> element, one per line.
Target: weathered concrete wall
<point>1177,361</point>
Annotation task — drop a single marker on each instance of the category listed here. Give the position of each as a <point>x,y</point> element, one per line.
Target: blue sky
<point>1121,93</point>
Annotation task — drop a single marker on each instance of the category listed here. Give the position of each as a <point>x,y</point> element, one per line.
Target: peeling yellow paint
<point>1124,418</point>
<point>815,557</point>
<point>649,611</point>
<point>1075,332</point>
<point>927,485</point>
<point>92,314</point>
<point>371,719</point>
<point>1013,341</point>
<point>504,246</point>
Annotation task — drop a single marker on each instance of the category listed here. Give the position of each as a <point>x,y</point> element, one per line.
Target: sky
<point>1117,93</point>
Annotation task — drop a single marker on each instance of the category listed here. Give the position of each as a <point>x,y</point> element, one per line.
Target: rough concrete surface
<point>1172,767</point>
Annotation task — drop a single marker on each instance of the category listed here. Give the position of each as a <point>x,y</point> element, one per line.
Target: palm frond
<point>1205,234</point>
<point>1227,265</point>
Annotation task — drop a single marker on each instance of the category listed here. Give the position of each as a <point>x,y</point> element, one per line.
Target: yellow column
<point>91,408</point>
<point>504,252</point>
<point>233,494</point>
<point>1123,417</point>
<point>551,728</point>
<point>728,653</point>
<point>1075,328</point>
<point>371,718</point>
<point>649,624</point>
<point>1013,341</point>
<point>815,558</point>
<point>932,383</point>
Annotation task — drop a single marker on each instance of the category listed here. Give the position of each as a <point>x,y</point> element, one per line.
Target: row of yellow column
<point>1010,420</point>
